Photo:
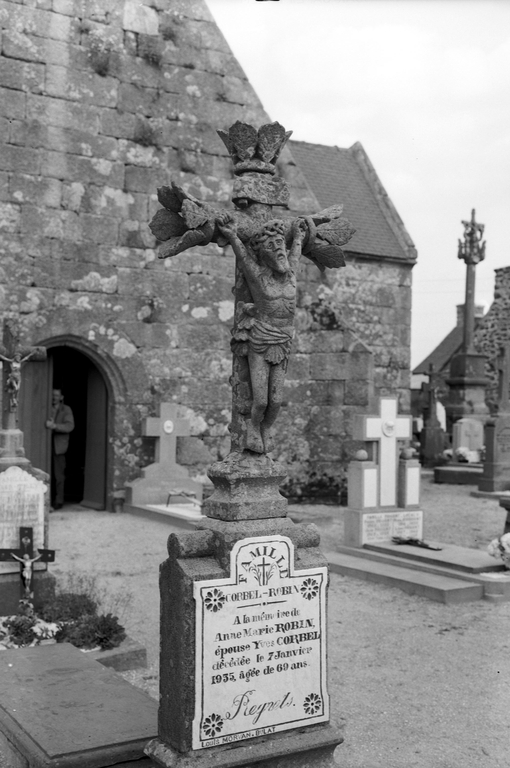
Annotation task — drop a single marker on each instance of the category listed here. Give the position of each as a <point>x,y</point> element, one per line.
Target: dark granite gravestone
<point>60,709</point>
<point>432,436</point>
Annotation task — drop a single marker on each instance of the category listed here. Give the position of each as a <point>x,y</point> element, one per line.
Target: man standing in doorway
<point>61,423</point>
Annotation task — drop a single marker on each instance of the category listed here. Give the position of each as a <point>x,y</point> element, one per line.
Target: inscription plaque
<point>260,646</point>
<point>381,526</point>
<point>21,505</point>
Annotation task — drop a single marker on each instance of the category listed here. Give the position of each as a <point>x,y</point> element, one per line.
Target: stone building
<point>101,102</point>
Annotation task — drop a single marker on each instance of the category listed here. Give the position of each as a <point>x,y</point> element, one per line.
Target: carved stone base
<point>11,448</point>
<point>245,488</point>
<point>310,748</point>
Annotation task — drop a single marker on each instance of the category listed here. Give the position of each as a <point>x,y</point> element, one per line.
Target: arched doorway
<point>85,392</point>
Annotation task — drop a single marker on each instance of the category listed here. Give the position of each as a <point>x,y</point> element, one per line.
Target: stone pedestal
<point>315,747</point>
<point>243,676</point>
<point>11,449</point>
<point>246,486</point>
<point>496,468</point>
<point>467,385</point>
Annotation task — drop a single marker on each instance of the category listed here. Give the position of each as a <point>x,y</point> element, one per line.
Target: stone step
<point>449,556</point>
<point>439,587</point>
<point>400,562</point>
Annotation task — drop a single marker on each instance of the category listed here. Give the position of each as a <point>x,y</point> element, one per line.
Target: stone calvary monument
<point>243,676</point>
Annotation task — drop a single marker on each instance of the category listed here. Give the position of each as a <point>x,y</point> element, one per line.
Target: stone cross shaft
<point>472,252</point>
<point>12,356</point>
<point>386,429</point>
<point>503,361</point>
<point>166,427</point>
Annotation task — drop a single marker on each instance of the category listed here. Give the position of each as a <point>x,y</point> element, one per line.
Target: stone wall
<point>493,331</point>
<point>101,102</point>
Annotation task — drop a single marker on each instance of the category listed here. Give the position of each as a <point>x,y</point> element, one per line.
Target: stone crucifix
<point>268,250</point>
<point>472,252</point>
<point>13,355</point>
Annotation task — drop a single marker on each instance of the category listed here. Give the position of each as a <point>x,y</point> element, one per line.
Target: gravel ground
<point>414,684</point>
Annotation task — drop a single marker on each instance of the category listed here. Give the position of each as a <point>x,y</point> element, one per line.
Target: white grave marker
<point>386,429</point>
<point>21,505</point>
<point>384,495</point>
<point>260,646</point>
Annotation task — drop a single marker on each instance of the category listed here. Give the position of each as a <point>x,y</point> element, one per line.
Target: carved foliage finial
<point>253,150</point>
<point>472,249</point>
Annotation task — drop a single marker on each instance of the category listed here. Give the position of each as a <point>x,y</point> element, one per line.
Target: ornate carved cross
<point>268,251</point>
<point>13,355</point>
<point>472,252</point>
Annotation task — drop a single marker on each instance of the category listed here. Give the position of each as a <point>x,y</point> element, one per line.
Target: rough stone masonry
<point>100,103</point>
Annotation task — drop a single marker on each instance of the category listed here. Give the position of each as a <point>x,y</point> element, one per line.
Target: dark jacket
<point>64,423</point>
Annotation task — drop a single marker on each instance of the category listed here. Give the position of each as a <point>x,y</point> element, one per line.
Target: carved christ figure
<point>27,570</point>
<point>267,253</point>
<point>264,329</point>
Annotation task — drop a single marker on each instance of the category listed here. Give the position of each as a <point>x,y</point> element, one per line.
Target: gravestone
<point>383,494</point>
<point>432,436</point>
<point>243,665</point>
<point>496,468</point>
<point>165,487</point>
<point>468,433</point>
<point>24,490</point>
<point>24,503</point>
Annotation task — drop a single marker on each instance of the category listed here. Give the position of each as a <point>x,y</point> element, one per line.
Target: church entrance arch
<point>89,393</point>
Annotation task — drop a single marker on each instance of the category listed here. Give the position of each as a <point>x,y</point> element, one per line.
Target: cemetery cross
<point>25,555</point>
<point>471,251</point>
<point>242,557</point>
<point>13,355</point>
<point>386,429</point>
<point>267,250</point>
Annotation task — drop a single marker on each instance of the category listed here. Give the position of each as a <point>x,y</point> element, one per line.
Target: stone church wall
<point>101,102</point>
<point>493,331</point>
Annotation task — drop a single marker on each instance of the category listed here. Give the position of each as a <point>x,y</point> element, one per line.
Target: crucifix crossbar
<point>386,429</point>
<point>26,547</point>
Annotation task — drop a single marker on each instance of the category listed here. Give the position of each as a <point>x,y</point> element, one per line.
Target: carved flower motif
<point>312,704</point>
<point>214,600</point>
<point>309,588</point>
<point>212,725</point>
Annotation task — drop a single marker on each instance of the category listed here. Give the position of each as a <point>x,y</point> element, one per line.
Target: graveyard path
<point>416,684</point>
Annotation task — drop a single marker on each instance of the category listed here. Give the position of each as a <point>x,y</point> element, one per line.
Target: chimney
<point>479,312</point>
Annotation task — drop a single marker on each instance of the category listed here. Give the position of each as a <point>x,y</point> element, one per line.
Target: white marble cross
<point>386,429</point>
<point>167,427</point>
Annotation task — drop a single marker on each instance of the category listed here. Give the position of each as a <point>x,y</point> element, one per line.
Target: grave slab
<point>60,709</point>
<point>442,589</point>
<point>450,556</point>
<point>459,474</point>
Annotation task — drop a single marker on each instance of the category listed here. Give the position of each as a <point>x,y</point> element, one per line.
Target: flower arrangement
<point>68,616</point>
<point>500,548</point>
<point>462,454</point>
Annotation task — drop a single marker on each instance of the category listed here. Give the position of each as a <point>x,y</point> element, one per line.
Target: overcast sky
<point>424,85</point>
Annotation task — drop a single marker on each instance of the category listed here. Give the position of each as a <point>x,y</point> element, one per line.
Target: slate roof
<point>347,176</point>
<point>440,357</point>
